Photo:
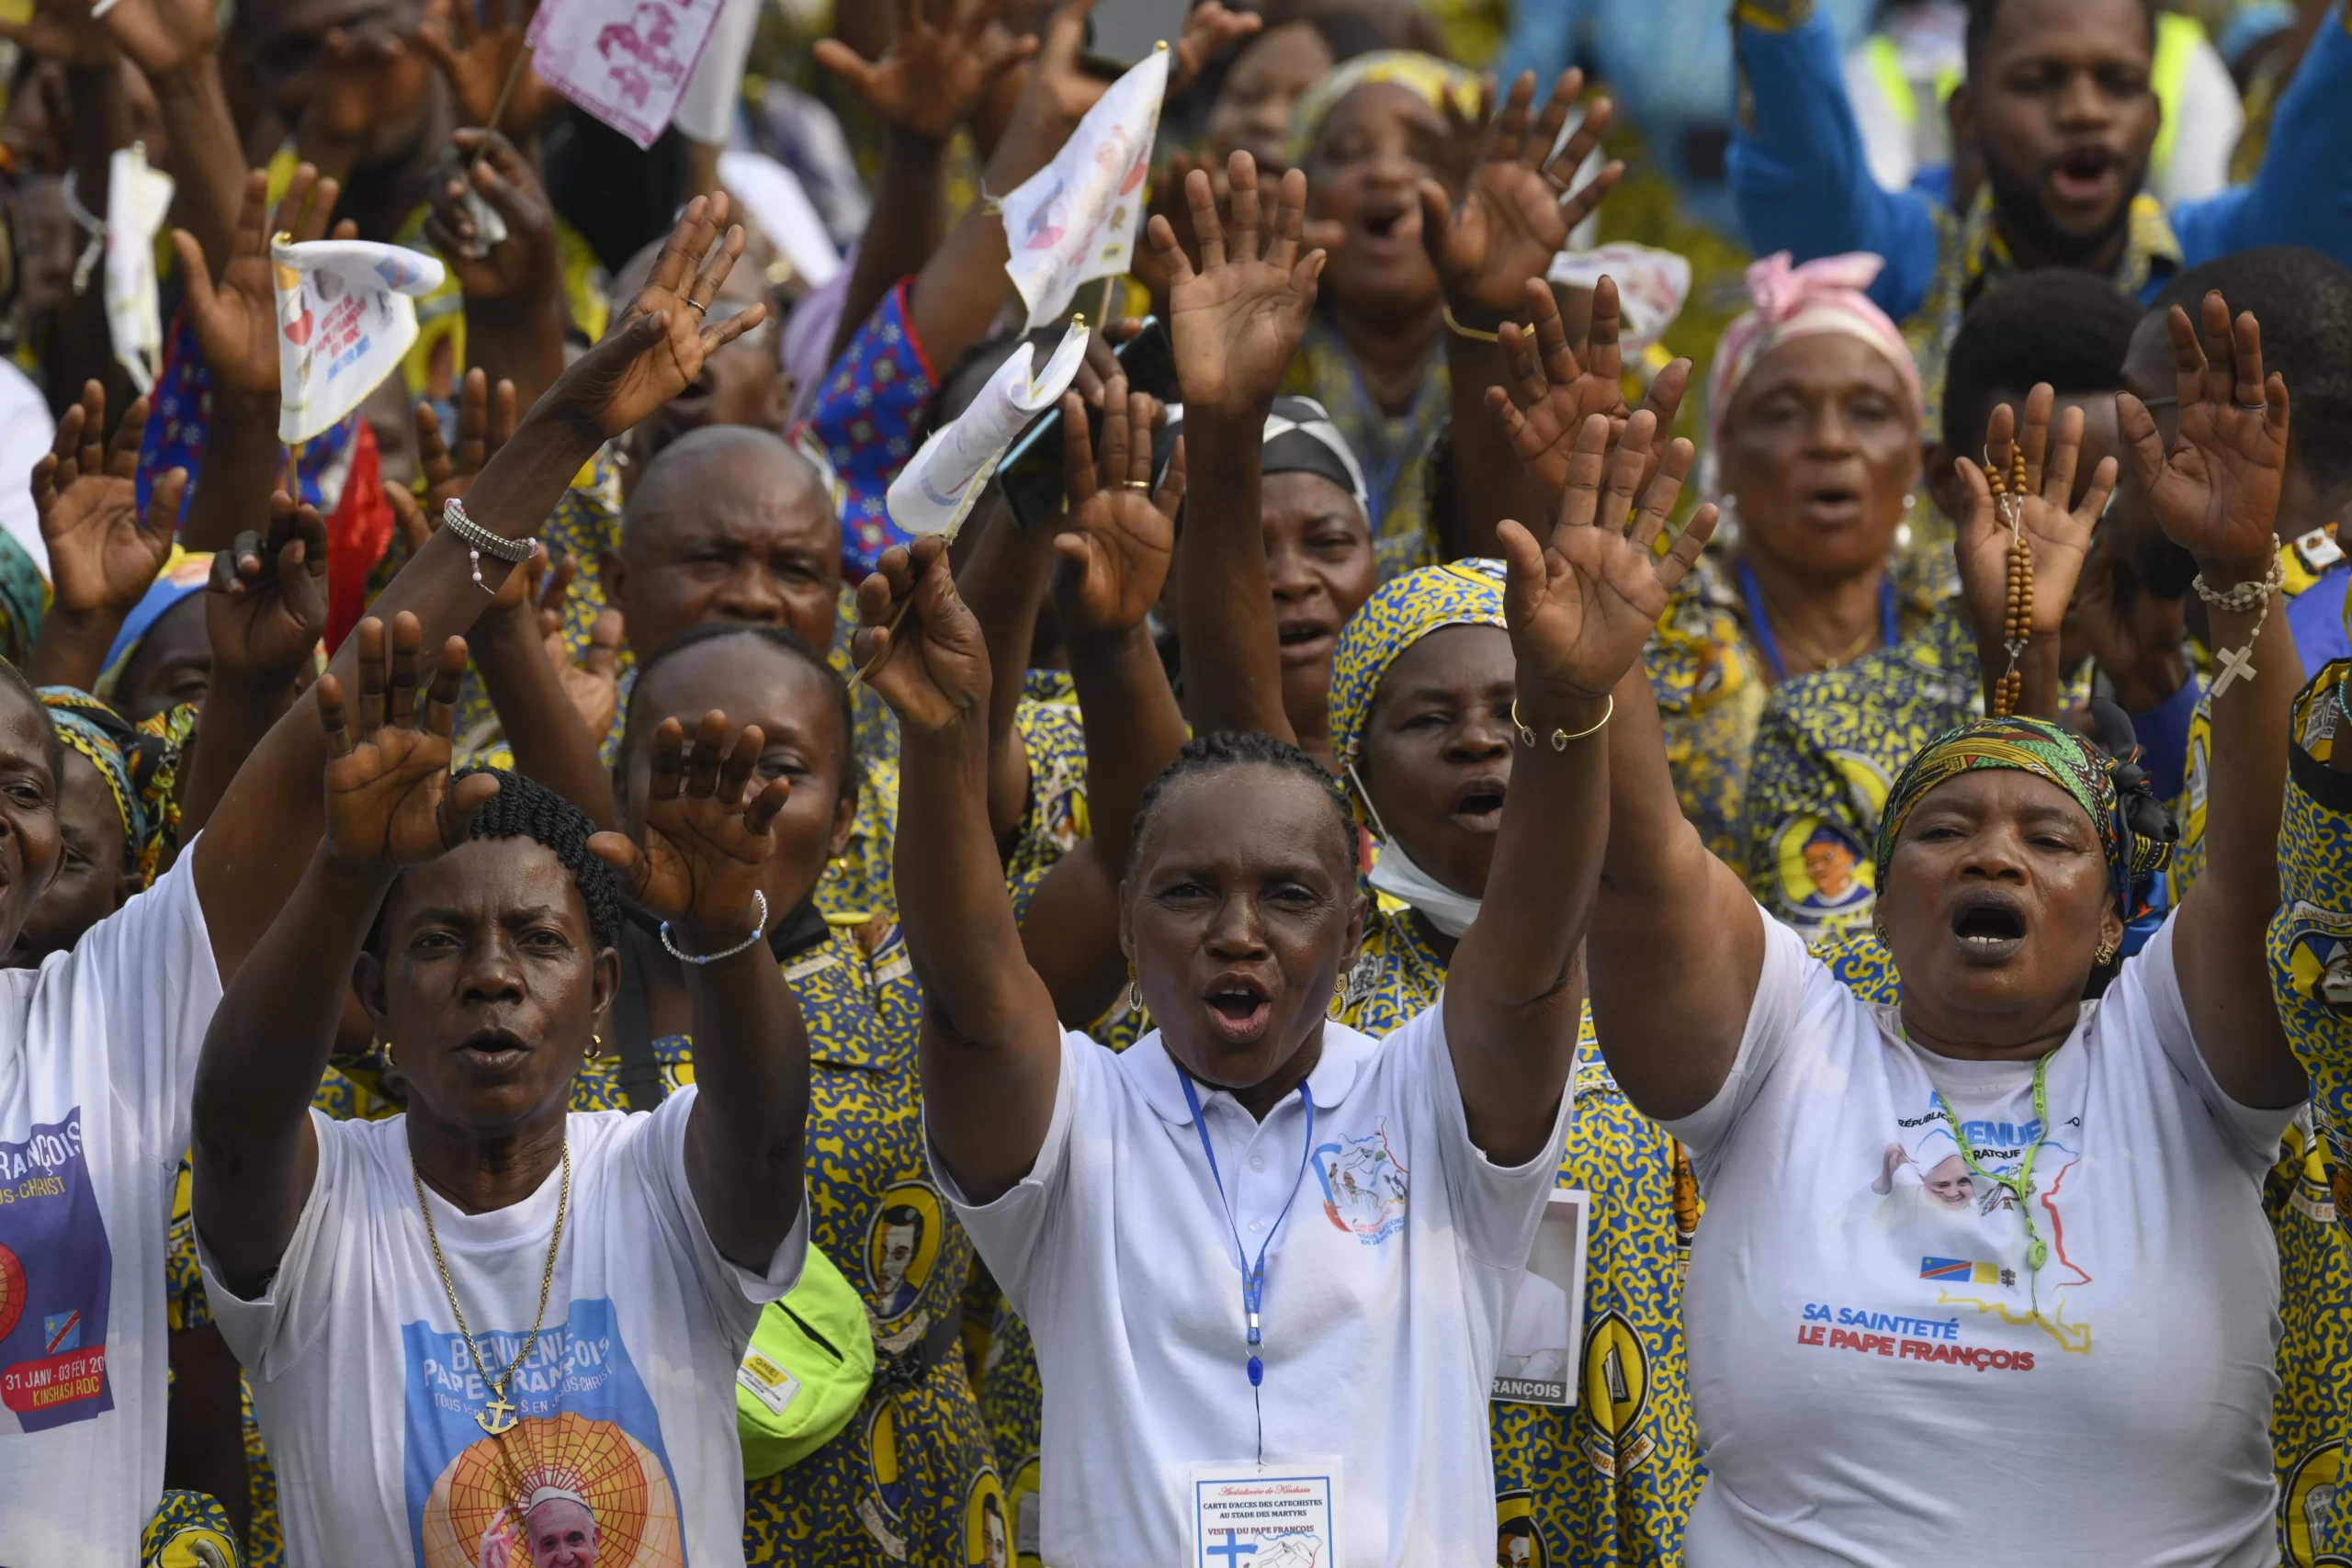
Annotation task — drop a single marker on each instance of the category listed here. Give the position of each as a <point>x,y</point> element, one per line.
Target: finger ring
<point>698,307</point>
<point>2255,408</point>
<point>1136,484</point>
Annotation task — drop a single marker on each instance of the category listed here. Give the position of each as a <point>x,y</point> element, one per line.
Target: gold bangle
<point>1458,329</point>
<point>1560,738</point>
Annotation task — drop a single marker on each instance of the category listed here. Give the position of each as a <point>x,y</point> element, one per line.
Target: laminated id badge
<point>1537,1364</point>
<point>1282,1514</point>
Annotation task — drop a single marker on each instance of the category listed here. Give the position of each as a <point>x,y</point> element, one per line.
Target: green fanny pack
<point>810,1365</point>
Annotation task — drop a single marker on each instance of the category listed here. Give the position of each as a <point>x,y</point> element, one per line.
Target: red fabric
<point>359,530</point>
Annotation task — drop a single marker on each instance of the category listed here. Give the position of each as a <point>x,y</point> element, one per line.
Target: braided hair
<point>524,808</point>
<point>783,638</point>
<point>1226,748</point>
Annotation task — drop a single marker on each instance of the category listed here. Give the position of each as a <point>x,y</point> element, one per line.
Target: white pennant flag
<point>626,62</point>
<point>137,199</point>
<point>344,321</point>
<point>934,492</point>
<point>1076,218</point>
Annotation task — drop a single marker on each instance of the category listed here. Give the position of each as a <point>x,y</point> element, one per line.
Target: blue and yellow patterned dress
<point>1611,1480</point>
<point>2310,975</point>
<point>912,1477</point>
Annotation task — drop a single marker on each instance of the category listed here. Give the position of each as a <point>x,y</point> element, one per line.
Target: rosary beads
<point>2017,625</point>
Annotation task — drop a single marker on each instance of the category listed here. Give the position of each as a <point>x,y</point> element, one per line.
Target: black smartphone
<point>1119,33</point>
<point>1030,473</point>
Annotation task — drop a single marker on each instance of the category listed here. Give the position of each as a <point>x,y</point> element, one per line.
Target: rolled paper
<point>934,492</point>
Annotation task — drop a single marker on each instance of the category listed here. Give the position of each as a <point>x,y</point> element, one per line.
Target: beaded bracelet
<point>759,929</point>
<point>513,552</point>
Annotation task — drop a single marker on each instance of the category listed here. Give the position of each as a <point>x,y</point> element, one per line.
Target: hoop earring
<point>1135,995</point>
<point>386,1048</point>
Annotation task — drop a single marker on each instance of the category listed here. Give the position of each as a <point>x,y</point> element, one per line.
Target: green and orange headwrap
<point>139,762</point>
<point>2046,751</point>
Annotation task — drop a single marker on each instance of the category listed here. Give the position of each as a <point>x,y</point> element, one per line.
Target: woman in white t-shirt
<point>1990,1266</point>
<point>1265,1259</point>
<point>487,1325</point>
<point>98,1046</point>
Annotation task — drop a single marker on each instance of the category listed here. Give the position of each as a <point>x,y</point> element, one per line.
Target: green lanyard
<point>2037,1251</point>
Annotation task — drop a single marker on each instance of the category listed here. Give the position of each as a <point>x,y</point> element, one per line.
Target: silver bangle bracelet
<point>759,929</point>
<point>479,540</point>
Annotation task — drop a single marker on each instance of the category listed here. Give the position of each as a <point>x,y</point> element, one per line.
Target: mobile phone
<point>1030,473</point>
<point>1119,33</point>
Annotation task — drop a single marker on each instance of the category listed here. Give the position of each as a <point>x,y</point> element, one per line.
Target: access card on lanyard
<point>1543,1332</point>
<point>1279,1514</point>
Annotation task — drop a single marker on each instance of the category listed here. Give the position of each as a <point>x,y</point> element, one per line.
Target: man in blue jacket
<point>2059,108</point>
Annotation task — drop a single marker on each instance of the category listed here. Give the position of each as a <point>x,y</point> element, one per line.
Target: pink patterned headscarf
<point>1824,296</point>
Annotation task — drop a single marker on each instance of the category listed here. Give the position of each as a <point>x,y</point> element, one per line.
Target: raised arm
<point>1515,214</point>
<point>708,833</point>
<point>389,801</point>
<point>2302,193</point>
<point>1797,164</point>
<point>1115,558</point>
<point>992,1050</point>
<point>2216,495</point>
<point>515,309</point>
<point>1548,390</point>
<point>932,76</point>
<point>103,551</point>
<point>2057,535</point>
<point>265,610</point>
<point>176,46</point>
<point>261,839</point>
<point>1236,323</point>
<point>1579,607</point>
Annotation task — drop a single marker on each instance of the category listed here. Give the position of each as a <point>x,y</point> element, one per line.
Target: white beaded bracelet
<point>513,552</point>
<point>759,929</point>
<point>2254,593</point>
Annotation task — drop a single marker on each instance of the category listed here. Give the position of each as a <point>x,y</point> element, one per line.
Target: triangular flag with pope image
<point>344,318</point>
<point>1077,218</point>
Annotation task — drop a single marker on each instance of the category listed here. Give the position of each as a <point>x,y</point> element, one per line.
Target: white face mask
<point>1395,875</point>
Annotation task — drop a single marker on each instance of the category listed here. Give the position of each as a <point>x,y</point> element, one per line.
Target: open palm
<point>1553,390</point>
<point>659,345</point>
<point>707,829</point>
<point>1236,321</point>
<point>932,74</point>
<point>1120,537</point>
<point>390,799</point>
<point>265,606</point>
<point>1515,213</point>
<point>2216,493</point>
<point>102,553</point>
<point>476,57</point>
<point>1581,604</point>
<point>2056,531</point>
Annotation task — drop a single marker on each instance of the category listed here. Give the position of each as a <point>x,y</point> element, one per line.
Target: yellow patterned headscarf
<point>1466,594</point>
<point>1436,81</point>
<point>139,762</point>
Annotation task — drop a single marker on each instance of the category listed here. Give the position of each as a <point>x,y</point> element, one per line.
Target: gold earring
<point>2103,956</point>
<point>386,1048</point>
<point>1135,996</point>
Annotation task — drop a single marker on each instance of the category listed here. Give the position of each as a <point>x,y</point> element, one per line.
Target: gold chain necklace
<point>500,1416</point>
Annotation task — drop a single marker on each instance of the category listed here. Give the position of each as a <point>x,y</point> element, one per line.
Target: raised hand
<point>657,347</point>
<point>933,73</point>
<point>390,801</point>
<point>367,80</point>
<point>62,31</point>
<point>593,685</point>
<point>524,261</point>
<point>1116,546</point>
<point>708,833</point>
<point>477,56</point>
<point>265,605</point>
<point>162,37</point>
<point>1209,30</point>
<point>1552,392</point>
<point>1515,211</point>
<point>2055,530</point>
<point>102,553</point>
<point>2216,494</point>
<point>1236,320</point>
<point>237,318</point>
<point>1581,606</point>
<point>486,419</point>
<point>917,644</point>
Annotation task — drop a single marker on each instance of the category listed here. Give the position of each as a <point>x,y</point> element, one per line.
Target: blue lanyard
<point>1254,1277</point>
<point>1760,624</point>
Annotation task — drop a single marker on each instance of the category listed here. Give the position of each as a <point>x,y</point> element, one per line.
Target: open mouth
<point>495,1050</point>
<point>1240,1009</point>
<point>1989,926</point>
<point>1303,641</point>
<point>1832,505</point>
<point>2083,176</point>
<point>1478,804</point>
<point>1385,222</point>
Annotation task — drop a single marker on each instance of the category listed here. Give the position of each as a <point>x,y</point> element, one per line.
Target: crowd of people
<point>1412,942</point>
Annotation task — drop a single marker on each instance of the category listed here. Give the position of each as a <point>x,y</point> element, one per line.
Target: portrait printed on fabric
<point>988,1524</point>
<point>1823,870</point>
<point>2321,957</point>
<point>1364,1187</point>
<point>580,1479</point>
<point>56,1281</point>
<point>902,1249</point>
<point>1517,1542</point>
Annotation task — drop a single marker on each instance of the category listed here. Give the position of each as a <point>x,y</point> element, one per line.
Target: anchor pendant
<point>497,1419</point>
